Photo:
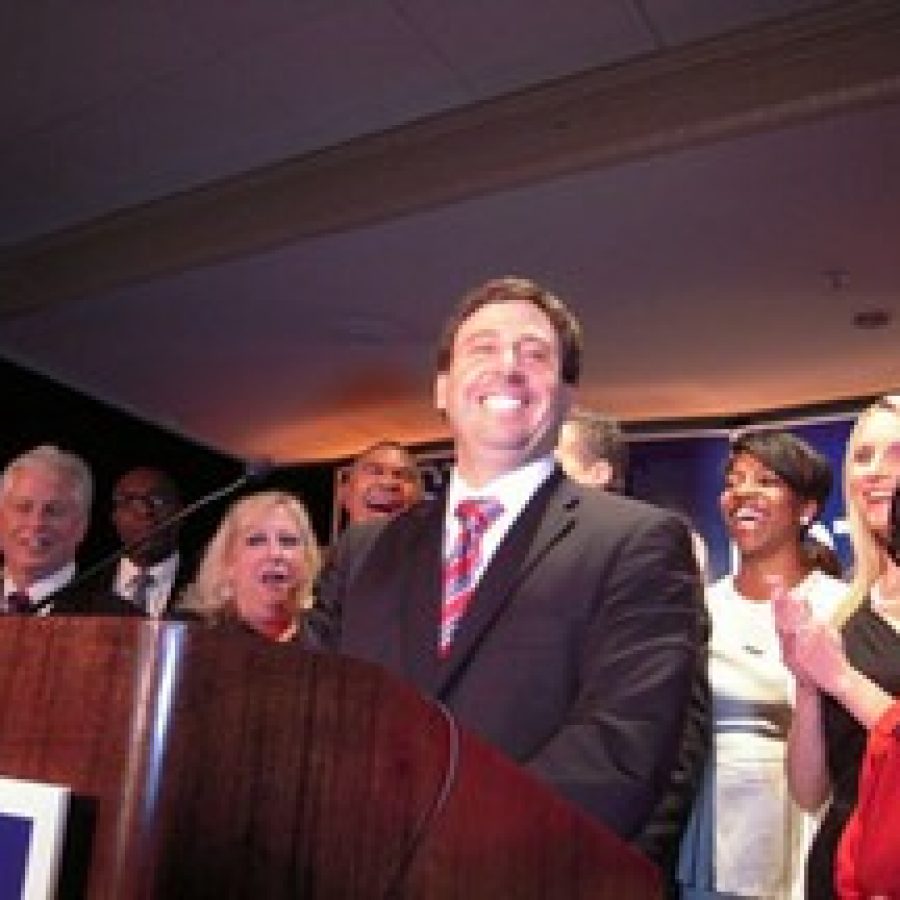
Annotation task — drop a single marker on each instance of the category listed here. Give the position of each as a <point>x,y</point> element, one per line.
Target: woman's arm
<point>807,766</point>
<point>814,652</point>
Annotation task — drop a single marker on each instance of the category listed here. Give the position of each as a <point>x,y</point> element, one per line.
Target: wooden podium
<point>208,763</point>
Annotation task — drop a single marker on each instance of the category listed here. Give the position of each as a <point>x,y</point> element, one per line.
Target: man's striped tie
<point>462,566</point>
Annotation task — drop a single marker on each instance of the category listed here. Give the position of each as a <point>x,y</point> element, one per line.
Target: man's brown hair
<point>518,290</point>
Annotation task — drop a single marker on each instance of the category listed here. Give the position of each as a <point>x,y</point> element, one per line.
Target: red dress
<point>868,857</point>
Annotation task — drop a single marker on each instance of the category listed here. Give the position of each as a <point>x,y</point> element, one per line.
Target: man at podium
<point>560,623</point>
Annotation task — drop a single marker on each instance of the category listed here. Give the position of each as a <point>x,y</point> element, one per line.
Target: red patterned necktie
<point>19,602</point>
<point>461,566</point>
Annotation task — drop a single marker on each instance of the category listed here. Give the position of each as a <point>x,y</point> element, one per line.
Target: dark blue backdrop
<point>685,472</point>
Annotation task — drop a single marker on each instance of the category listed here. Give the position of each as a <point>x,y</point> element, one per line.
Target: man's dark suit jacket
<point>95,596</point>
<point>578,653</point>
<point>83,597</point>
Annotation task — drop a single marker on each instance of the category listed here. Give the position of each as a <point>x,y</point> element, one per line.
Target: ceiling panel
<point>677,22</point>
<point>279,87</point>
<point>496,46</point>
<point>105,106</point>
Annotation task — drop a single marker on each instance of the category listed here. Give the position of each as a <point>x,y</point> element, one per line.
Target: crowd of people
<point>722,728</point>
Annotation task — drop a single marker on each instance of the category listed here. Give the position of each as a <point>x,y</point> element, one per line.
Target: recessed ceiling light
<point>871,319</point>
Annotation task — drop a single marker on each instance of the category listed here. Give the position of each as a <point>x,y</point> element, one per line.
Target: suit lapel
<point>425,556</point>
<point>549,515</point>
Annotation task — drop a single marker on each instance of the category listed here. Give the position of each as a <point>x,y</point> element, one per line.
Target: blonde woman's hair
<point>212,592</point>
<point>868,551</point>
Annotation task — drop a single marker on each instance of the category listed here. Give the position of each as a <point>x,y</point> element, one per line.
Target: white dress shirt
<point>513,489</point>
<point>39,590</point>
<point>162,577</point>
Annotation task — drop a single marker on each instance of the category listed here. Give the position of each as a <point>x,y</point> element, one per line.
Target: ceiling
<point>247,222</point>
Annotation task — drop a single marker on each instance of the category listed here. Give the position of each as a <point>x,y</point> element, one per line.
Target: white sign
<point>32,821</point>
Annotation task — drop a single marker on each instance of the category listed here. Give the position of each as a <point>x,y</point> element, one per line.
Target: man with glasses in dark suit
<point>151,571</point>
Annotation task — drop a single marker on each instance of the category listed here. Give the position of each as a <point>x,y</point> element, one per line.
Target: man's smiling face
<point>42,523</point>
<point>382,482</point>
<point>502,390</point>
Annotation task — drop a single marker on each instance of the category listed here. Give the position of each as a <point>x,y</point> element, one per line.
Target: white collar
<point>513,489</point>
<point>39,590</point>
<point>162,572</point>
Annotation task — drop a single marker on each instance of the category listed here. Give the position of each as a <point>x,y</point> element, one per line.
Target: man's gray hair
<point>68,466</point>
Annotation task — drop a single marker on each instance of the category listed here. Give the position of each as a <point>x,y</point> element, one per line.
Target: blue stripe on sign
<point>15,841</point>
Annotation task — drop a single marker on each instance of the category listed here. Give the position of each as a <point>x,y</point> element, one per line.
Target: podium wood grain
<point>217,765</point>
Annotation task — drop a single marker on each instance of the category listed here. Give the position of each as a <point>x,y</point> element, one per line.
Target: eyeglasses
<point>147,503</point>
